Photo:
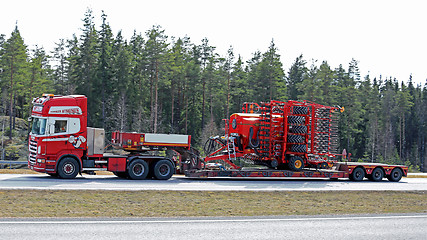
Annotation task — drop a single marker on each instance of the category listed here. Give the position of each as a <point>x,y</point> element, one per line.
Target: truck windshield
<point>39,126</point>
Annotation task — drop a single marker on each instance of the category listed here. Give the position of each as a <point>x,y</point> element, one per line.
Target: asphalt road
<point>316,227</point>
<point>179,183</point>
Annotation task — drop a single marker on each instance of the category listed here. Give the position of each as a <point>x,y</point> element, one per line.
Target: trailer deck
<point>340,170</point>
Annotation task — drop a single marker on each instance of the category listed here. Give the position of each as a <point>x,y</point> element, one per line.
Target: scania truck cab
<point>58,131</point>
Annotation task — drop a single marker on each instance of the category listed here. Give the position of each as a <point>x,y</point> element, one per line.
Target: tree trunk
<point>156,97</point>
<point>172,105</point>
<point>203,103</point>
<point>228,96</point>
<point>11,101</point>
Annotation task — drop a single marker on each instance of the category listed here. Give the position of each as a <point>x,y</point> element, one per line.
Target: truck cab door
<point>57,139</point>
<point>63,134</point>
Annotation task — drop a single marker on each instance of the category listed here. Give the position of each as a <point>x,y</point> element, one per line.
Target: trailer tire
<point>376,175</point>
<point>296,163</point>
<point>357,175</point>
<point>163,170</point>
<point>138,169</point>
<point>68,168</point>
<point>395,175</point>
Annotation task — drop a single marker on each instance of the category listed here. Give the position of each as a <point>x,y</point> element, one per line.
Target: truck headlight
<point>40,160</point>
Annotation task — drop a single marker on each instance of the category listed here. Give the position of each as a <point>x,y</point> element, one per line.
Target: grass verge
<point>45,203</point>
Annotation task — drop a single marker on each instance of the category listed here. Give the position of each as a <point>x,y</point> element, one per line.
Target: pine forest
<point>157,83</point>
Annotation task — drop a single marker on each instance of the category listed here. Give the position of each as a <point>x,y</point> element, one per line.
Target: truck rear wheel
<point>138,169</point>
<point>357,175</point>
<point>395,175</point>
<point>68,168</point>
<point>163,170</point>
<point>296,164</point>
<point>377,175</point>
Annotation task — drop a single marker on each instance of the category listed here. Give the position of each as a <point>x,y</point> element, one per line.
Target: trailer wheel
<point>296,164</point>
<point>68,168</point>
<point>138,169</point>
<point>163,170</point>
<point>395,175</point>
<point>377,175</point>
<point>357,175</point>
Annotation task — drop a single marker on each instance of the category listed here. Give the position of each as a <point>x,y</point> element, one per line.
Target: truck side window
<point>60,126</point>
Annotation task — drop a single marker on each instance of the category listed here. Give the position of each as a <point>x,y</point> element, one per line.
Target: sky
<point>387,38</point>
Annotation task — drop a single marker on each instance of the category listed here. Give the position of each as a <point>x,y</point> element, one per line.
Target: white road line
<point>211,220</point>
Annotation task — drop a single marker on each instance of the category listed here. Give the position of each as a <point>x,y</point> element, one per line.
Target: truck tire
<point>68,168</point>
<point>357,175</point>
<point>296,164</point>
<point>376,175</point>
<point>138,169</point>
<point>395,175</point>
<point>163,170</point>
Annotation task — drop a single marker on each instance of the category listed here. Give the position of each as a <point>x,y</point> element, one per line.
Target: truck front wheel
<point>68,168</point>
<point>163,170</point>
<point>138,169</point>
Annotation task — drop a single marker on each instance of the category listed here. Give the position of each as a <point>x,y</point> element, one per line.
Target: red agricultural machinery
<point>284,135</point>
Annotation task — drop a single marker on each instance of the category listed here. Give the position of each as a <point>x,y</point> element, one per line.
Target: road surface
<point>179,183</point>
<point>314,227</point>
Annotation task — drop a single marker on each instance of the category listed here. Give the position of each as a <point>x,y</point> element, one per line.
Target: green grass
<point>45,203</point>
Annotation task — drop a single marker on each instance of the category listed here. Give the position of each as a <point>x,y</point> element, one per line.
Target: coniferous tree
<point>156,48</point>
<point>15,71</point>
<point>85,80</point>
<point>139,79</point>
<point>239,86</point>
<point>40,78</point>
<point>121,81</point>
<point>60,69</point>
<point>296,75</point>
<point>103,83</point>
<point>272,71</point>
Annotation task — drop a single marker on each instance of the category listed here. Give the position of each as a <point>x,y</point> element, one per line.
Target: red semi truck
<point>61,144</point>
<point>291,139</point>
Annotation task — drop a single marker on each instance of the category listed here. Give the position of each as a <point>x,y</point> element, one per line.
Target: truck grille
<point>33,152</point>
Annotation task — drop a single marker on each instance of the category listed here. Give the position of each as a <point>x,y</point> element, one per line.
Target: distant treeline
<point>156,83</point>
